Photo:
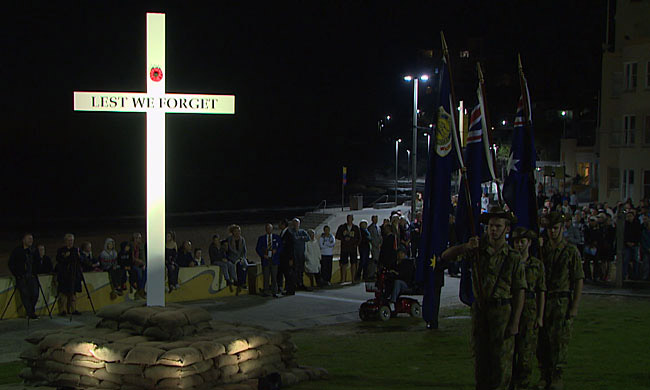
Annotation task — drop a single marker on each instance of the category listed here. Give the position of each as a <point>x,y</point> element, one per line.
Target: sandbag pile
<point>173,347</point>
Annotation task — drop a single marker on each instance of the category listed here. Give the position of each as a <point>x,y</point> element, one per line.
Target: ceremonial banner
<point>476,163</point>
<point>519,185</point>
<point>437,199</point>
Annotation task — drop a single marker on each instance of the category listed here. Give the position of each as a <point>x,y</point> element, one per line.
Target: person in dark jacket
<point>631,240</point>
<point>593,238</point>
<point>349,235</point>
<point>185,257</point>
<point>364,251</point>
<point>124,261</point>
<point>286,259</point>
<point>68,267</point>
<point>22,267</point>
<point>42,261</point>
<point>390,239</point>
<point>404,271</point>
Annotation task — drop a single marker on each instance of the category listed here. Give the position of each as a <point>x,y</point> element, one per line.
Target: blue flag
<point>437,201</point>
<point>476,164</point>
<point>519,185</point>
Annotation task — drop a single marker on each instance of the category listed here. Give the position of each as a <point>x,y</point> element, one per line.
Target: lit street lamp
<point>381,123</point>
<point>397,141</point>
<point>409,78</point>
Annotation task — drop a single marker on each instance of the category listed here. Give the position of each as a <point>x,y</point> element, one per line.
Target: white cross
<point>155,103</point>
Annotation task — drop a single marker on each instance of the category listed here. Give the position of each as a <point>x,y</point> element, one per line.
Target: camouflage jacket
<point>535,276</point>
<point>563,266</point>
<point>501,272</point>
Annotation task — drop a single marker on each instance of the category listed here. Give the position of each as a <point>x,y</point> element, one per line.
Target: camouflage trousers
<point>554,338</point>
<point>491,349</point>
<point>525,347</point>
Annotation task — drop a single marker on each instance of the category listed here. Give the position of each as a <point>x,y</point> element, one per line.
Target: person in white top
<point>312,257</point>
<point>326,243</point>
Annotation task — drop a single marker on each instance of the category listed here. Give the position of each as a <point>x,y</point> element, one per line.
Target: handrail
<point>377,201</point>
<point>322,202</point>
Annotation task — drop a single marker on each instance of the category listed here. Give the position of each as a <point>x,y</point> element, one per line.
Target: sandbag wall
<point>175,347</point>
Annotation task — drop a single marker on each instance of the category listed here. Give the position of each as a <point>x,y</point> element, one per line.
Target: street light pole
<point>397,141</point>
<point>415,80</point>
<point>408,162</point>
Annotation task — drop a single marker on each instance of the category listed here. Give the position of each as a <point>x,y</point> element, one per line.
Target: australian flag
<point>519,185</point>
<point>476,164</point>
<point>437,202</point>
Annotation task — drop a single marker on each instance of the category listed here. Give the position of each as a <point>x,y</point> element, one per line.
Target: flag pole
<point>468,199</point>
<point>487,129</point>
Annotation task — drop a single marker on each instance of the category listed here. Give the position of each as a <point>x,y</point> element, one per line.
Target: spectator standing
<point>607,247</point>
<point>326,243</point>
<point>185,256</point>
<point>219,257</point>
<point>312,259</point>
<point>171,261</point>
<point>286,259</point>
<point>300,238</point>
<point>375,245</point>
<point>415,232</point>
<point>108,263</point>
<point>390,234</point>
<point>349,235</point>
<point>593,237</point>
<point>237,254</point>
<point>632,239</point>
<point>573,201</point>
<point>364,251</point>
<point>267,249</point>
<point>21,265</point>
<point>645,249</point>
<point>485,202</point>
<point>42,261</point>
<point>68,265</point>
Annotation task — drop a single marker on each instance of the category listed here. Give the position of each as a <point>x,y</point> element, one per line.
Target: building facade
<point>623,138</point>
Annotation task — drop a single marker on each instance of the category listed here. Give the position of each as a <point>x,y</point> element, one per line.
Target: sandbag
<point>133,340</point>
<point>108,324</point>
<point>168,320</point>
<point>66,379</point>
<point>82,346</point>
<point>31,353</point>
<point>247,355</point>
<point>175,344</point>
<point>37,336</point>
<point>228,371</point>
<point>143,355</point>
<point>116,336</point>
<point>180,383</point>
<point>180,357</point>
<point>140,315</point>
<point>133,329</point>
<point>249,366</point>
<point>108,385</point>
<point>55,341</point>
<point>161,372</point>
<point>203,325</point>
<point>226,360</point>
<point>103,375</point>
<point>114,312</point>
<point>138,380</point>
<point>209,349</point>
<point>288,378</point>
<point>87,361</point>
<point>239,377</point>
<point>195,314</point>
<point>88,381</point>
<point>124,369</point>
<point>157,333</point>
<point>269,350</point>
<point>234,345</point>
<point>255,341</point>
<point>189,330</point>
<point>113,352</point>
<point>211,376</point>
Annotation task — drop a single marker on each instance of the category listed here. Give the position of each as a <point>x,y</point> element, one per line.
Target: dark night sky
<point>311,80</point>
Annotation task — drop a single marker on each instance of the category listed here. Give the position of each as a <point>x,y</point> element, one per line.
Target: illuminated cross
<point>155,103</point>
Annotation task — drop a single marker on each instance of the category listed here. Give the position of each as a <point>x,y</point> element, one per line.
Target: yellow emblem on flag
<point>443,132</point>
<point>433,262</point>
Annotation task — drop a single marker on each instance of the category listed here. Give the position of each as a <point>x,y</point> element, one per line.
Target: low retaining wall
<point>203,282</point>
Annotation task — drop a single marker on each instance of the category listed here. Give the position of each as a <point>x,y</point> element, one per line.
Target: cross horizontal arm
<point>142,102</point>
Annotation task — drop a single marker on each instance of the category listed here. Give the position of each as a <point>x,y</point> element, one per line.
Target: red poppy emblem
<point>156,74</point>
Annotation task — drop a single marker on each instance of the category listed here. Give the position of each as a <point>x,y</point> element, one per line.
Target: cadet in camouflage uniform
<point>532,315</point>
<point>564,278</point>
<point>499,283</point>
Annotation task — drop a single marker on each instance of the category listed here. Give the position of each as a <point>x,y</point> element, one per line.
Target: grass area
<point>609,350</point>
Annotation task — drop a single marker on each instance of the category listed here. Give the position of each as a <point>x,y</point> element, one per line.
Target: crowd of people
<point>288,259</point>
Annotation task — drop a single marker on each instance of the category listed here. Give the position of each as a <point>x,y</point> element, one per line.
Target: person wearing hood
<point>108,263</point>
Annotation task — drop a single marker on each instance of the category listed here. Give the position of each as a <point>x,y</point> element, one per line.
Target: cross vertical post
<point>155,170</point>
